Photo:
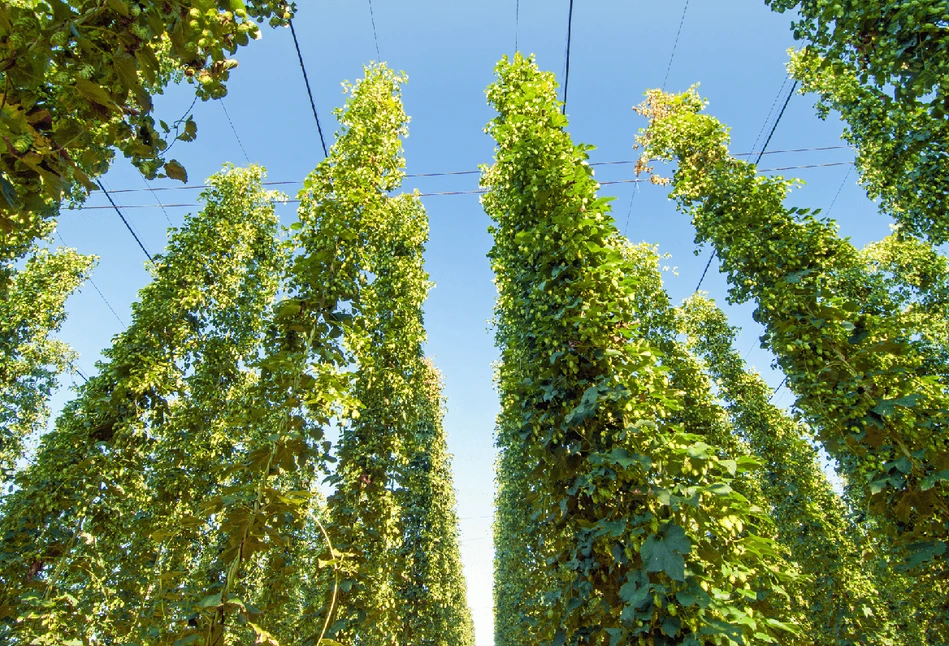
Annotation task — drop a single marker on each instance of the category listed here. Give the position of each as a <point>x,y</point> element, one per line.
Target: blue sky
<point>736,50</point>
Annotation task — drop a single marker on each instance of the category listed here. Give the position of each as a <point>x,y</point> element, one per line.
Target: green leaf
<point>634,594</point>
<point>719,489</point>
<point>95,93</point>
<point>175,170</point>
<point>921,553</point>
<point>9,192</point>
<point>930,481</point>
<point>797,276</point>
<point>191,130</point>
<point>119,7</point>
<point>888,406</point>
<point>663,552</point>
<point>211,601</point>
<point>623,458</point>
<point>903,464</point>
<point>585,409</point>
<point>671,626</point>
<point>636,597</point>
<point>694,596</point>
<point>716,627</point>
<point>612,527</point>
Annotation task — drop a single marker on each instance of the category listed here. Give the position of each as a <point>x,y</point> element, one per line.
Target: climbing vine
<point>874,400</point>
<point>135,455</point>
<point>648,492</point>
<point>902,154</point>
<point>385,515</point>
<point>638,535</point>
<point>433,598</point>
<point>900,46</point>
<point>843,605</point>
<point>31,360</point>
<point>77,84</point>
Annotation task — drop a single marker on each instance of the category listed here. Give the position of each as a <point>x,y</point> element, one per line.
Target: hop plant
<point>23,143</point>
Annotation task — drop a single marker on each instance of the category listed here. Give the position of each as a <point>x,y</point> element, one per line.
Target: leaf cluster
<point>864,375</point>
<point>77,79</point>
<point>623,526</point>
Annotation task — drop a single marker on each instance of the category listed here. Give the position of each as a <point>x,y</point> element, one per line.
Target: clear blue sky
<point>737,50</point>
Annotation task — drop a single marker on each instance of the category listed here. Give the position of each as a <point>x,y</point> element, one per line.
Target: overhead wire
<point>760,155</point>
<point>234,130</point>
<point>750,348</point>
<point>309,91</point>
<point>619,162</point>
<point>777,121</point>
<point>774,104</point>
<point>839,189</point>
<point>124,221</point>
<point>775,391</point>
<point>629,211</point>
<point>517,21</point>
<point>375,36</point>
<point>675,44</point>
<point>72,364</point>
<point>566,74</point>
<point>157,199</point>
<point>472,192</point>
<point>704,272</point>
<point>107,303</point>
<point>98,291</point>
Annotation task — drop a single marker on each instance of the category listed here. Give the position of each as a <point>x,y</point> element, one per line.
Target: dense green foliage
<point>843,604</point>
<point>432,595</point>
<point>898,46</point>
<point>648,492</point>
<point>633,533</point>
<point>403,574</point>
<point>902,150</point>
<point>862,371</point>
<point>100,537</point>
<point>31,360</point>
<point>177,499</point>
<point>77,82</point>
<point>884,66</point>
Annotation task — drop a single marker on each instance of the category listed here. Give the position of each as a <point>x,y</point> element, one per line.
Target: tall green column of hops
<point>432,592</point>
<point>876,402</point>
<point>79,84</point>
<point>31,360</point>
<point>222,414</point>
<point>902,150</point>
<point>640,537</point>
<point>69,567</point>
<point>379,492</point>
<point>699,412</point>
<point>916,278</point>
<point>843,602</point>
<point>883,66</point>
<point>522,577</point>
<point>306,384</point>
<point>703,413</point>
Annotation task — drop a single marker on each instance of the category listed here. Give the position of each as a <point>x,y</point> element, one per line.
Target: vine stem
<point>332,608</point>
<point>234,567</point>
<point>61,564</point>
<point>6,89</point>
